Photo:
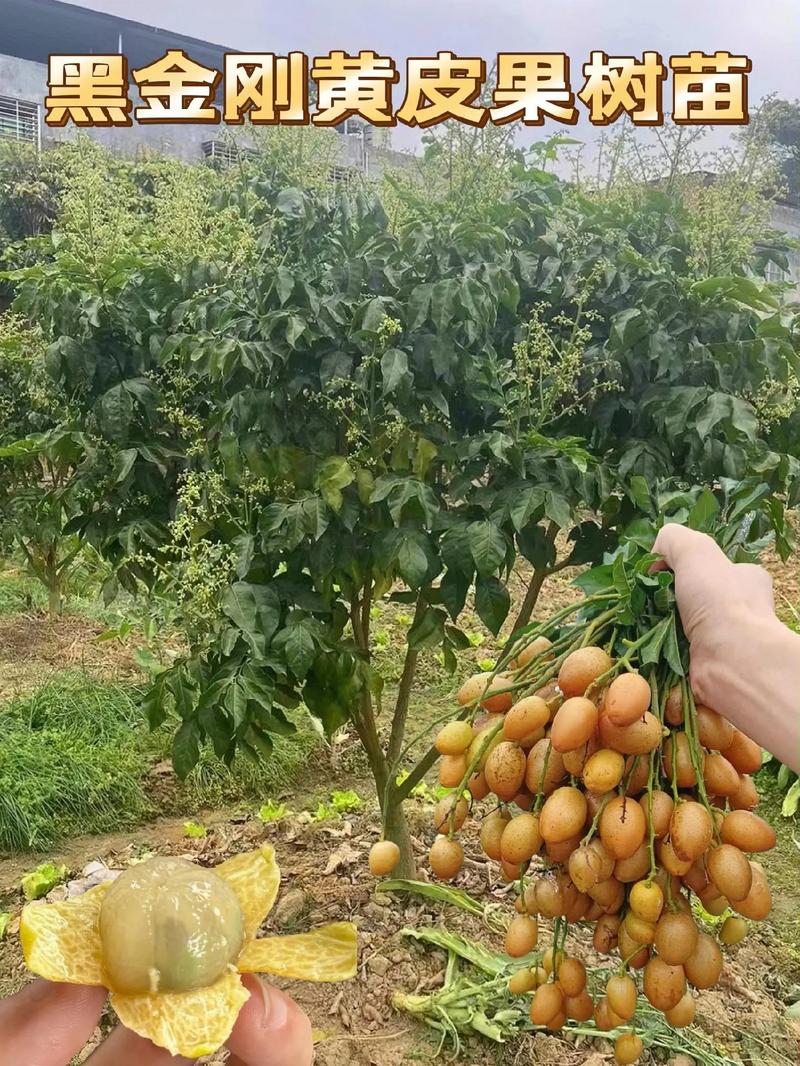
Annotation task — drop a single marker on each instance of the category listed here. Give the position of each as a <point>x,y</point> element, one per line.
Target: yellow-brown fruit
<point>580,1008</point>
<point>647,900</point>
<point>498,699</point>
<point>714,731</point>
<point>606,934</point>
<point>549,900</point>
<point>491,834</point>
<point>745,798</point>
<point>744,753</point>
<point>690,830</point>
<point>673,708</point>
<point>477,786</point>
<point>627,1049</point>
<point>634,954</point>
<point>545,768</point>
<point>473,688</point>
<point>704,965</point>
<point>505,770</point>
<point>451,770</point>
<point>622,995</point>
<point>730,871</point>
<point>721,777</point>
<point>454,738</point>
<point>574,723</point>
<point>511,871</point>
<point>604,1017</point>
<point>484,742</point>
<point>590,864</point>
<point>522,936</point>
<point>685,776</point>
<point>682,1014</point>
<point>563,815</point>
<point>747,832</point>
<point>521,982</point>
<point>581,669</point>
<point>383,858</point>
<point>635,867</point>
<point>525,717</point>
<point>758,902</point>
<point>733,931</point>
<point>552,958</point>
<point>547,1003</point>
<point>627,699</point>
<point>664,985</point>
<point>446,858</point>
<point>638,929</point>
<point>443,809</point>
<point>658,805</point>
<point>638,738</point>
<point>603,771</point>
<point>665,853</point>
<point>622,827</point>
<point>571,975</point>
<point>676,937</point>
<point>521,838</point>
<point>537,649</point>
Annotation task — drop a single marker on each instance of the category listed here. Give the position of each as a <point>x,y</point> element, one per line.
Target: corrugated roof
<point>35,29</point>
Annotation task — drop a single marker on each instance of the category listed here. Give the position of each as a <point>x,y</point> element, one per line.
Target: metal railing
<point>21,120</point>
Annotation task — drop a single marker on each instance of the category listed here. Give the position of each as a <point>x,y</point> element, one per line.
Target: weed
<point>42,880</point>
<point>272,812</point>
<point>194,830</point>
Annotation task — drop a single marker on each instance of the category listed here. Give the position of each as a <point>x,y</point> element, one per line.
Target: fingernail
<point>276,1008</point>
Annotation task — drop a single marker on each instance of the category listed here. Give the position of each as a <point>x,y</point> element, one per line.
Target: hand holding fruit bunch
<point>614,798</point>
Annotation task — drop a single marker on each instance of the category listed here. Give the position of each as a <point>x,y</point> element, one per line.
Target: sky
<point>767,30</point>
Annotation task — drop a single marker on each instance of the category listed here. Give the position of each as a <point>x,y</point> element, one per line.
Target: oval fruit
<point>659,806</point>
<point>451,770</point>
<point>730,871</point>
<point>383,858</point>
<point>690,830</point>
<point>635,867</point>
<point>685,775</point>
<point>704,965</point>
<point>627,699</point>
<point>747,831</point>
<point>758,902</point>
<point>647,900</point>
<point>639,738</point>
<point>491,834</point>
<point>714,731</point>
<point>603,771</point>
<point>622,827</point>
<point>627,1049</point>
<point>673,708</point>
<point>581,669</point>
<point>622,995</point>
<point>505,770</point>
<point>563,814</point>
<point>525,717</point>
<point>477,786</point>
<point>720,776</point>
<point>545,768</point>
<point>473,688</point>
<point>682,1014</point>
<point>522,981</point>
<point>446,858</point>
<point>744,753</point>
<point>745,798</point>
<point>522,936</point>
<point>676,937</point>
<point>521,838</point>
<point>571,976</point>
<point>485,740</point>
<point>664,985</point>
<point>537,649</point>
<point>733,931</point>
<point>574,724</point>
<point>606,934</point>
<point>547,1002</point>
<point>454,738</point>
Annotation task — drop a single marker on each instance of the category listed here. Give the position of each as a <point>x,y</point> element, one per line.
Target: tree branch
<point>403,791</point>
<point>404,696</point>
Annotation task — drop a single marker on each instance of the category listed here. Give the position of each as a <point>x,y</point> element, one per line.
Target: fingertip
<point>271,1029</point>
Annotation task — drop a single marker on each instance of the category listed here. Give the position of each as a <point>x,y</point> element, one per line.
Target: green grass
<point>76,754</point>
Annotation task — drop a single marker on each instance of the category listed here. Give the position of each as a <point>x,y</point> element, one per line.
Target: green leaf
<point>791,800</point>
<point>186,749</point>
<point>333,475</point>
<point>194,830</point>
<point>488,547</point>
<point>394,371</point>
<point>453,589</point>
<point>412,560</point>
<point>256,610</point>
<point>300,648</point>
<point>428,629</point>
<point>116,410</point>
<point>703,513</point>
<point>124,464</point>
<point>492,602</point>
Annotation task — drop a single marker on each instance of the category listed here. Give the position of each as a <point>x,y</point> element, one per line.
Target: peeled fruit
<point>747,831</point>
<point>714,731</point>
<point>169,926</point>
<point>563,814</point>
<point>622,994</point>
<point>446,858</point>
<point>383,858</point>
<point>505,770</point>
<point>622,826</point>
<point>704,965</point>
<point>733,931</point>
<point>537,649</point>
<point>682,1014</point>
<point>627,699</point>
<point>522,936</point>
<point>744,753</point>
<point>545,768</point>
<point>454,738</point>
<point>730,871</point>
<point>603,770</point>
<point>582,668</point>
<point>664,985</point>
<point>676,937</point>
<point>638,738</point>
<point>451,770</point>
<point>574,723</point>
<point>443,810</point>
<point>521,838</point>
<point>691,830</point>
<point>627,1048</point>
<point>571,975</point>
<point>547,1002</point>
<point>525,717</point>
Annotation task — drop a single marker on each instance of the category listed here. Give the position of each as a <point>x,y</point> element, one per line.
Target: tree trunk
<point>395,828</point>
<point>55,596</point>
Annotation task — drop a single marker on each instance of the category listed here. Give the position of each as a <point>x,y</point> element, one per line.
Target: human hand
<point>47,1024</point>
<point>744,662</point>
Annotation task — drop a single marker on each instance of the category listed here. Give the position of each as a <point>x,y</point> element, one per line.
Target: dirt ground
<point>325,878</point>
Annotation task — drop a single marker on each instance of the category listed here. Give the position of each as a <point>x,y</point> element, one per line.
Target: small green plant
<point>272,812</point>
<point>487,664</point>
<point>42,880</point>
<point>340,803</point>
<point>195,830</point>
<point>382,639</point>
<point>475,639</point>
<point>404,619</point>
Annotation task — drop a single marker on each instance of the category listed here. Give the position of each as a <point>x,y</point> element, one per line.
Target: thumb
<point>271,1030</point>
<point>678,545</point>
